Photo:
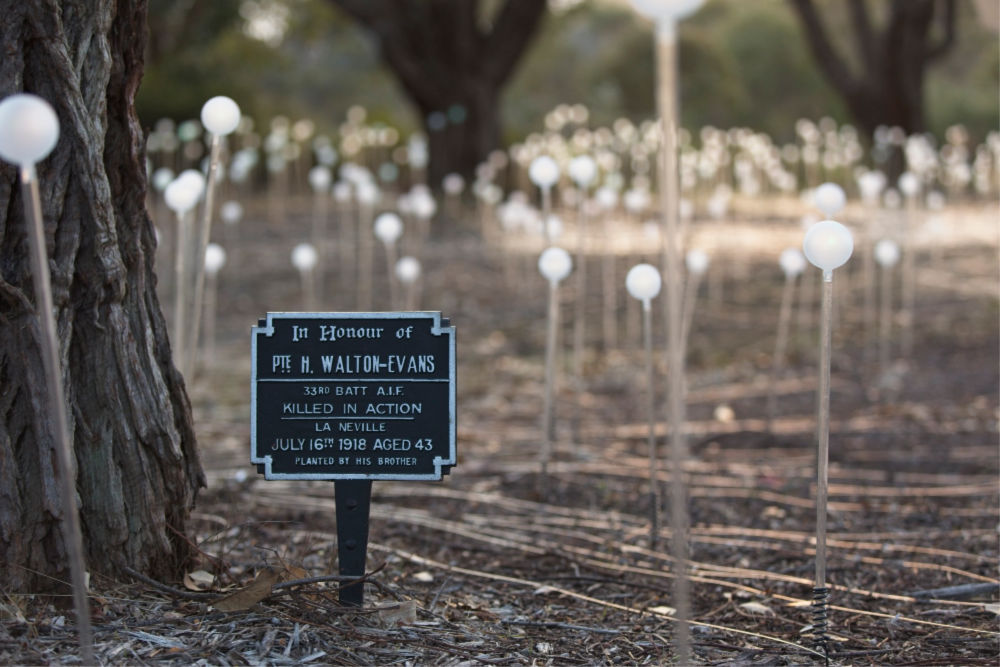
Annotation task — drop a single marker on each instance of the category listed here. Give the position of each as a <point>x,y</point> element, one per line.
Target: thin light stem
<point>909,291</point>
<point>548,420</point>
<point>884,319</point>
<point>654,482</point>
<point>203,235</point>
<point>365,252</point>
<point>823,428</point>
<point>390,254</point>
<point>72,535</point>
<point>669,190</point>
<point>182,283</point>
<point>780,347</point>
<point>319,238</point>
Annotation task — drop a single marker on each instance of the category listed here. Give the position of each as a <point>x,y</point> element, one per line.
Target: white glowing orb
<point>829,198</point>
<point>231,212</point>
<point>304,257</point>
<point>582,170</point>
<point>215,258</point>
<point>697,261</point>
<point>407,269</point>
<point>909,184</point>
<point>388,227</point>
<point>643,282</point>
<point>666,10</point>
<point>544,172</point>
<point>887,253</point>
<point>828,244</point>
<point>320,178</point>
<point>555,264</point>
<point>453,184</point>
<point>554,226</point>
<point>792,262</point>
<point>29,129</point>
<point>220,115</point>
<point>162,177</point>
<point>185,191</point>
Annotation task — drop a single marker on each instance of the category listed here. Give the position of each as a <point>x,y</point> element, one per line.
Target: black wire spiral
<point>820,599</point>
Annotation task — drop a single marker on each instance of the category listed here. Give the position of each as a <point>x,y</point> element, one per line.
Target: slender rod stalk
<point>669,190</point>
<point>654,482</point>
<point>823,429</point>
<point>72,535</point>
<point>204,233</point>
<point>548,421</point>
<point>780,348</point>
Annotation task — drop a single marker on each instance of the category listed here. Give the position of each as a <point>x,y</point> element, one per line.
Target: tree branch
<point>863,33</point>
<point>819,42</point>
<point>514,27</point>
<point>936,51</point>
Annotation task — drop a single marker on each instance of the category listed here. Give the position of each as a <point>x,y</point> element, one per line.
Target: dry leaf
<point>757,608</point>
<point>663,610</point>
<point>199,580</point>
<point>247,597</point>
<point>293,572</point>
<point>399,613</point>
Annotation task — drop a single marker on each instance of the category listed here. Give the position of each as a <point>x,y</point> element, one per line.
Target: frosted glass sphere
<point>554,226</point>
<point>555,264</point>
<point>367,193</point>
<point>935,200</point>
<point>828,244</point>
<point>583,170</point>
<point>423,204</point>
<point>215,258</point>
<point>643,281</point>
<point>871,184</point>
<point>909,184</point>
<point>407,269</point>
<point>29,129</point>
<point>886,252</point>
<point>184,192</point>
<point>231,212</point>
<point>162,177</point>
<point>304,257</point>
<point>666,9</point>
<point>607,198</point>
<point>342,191</point>
<point>697,261</point>
<point>220,115</point>
<point>320,178</point>
<point>453,184</point>
<point>829,198</point>
<point>388,227</point>
<point>544,171</point>
<point>792,262</point>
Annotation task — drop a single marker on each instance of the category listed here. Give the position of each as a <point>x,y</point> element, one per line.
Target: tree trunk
<point>888,88</point>
<point>130,419</point>
<point>470,131</point>
<point>452,64</point>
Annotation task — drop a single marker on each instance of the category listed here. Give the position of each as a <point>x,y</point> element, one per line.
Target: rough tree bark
<point>138,471</point>
<point>888,88</point>
<point>452,67</point>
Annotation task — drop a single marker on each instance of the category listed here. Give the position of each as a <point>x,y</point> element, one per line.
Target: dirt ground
<point>494,565</point>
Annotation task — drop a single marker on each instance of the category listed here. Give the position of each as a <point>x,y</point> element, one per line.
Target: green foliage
<point>741,64</point>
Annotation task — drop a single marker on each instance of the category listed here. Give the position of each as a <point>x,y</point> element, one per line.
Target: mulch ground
<point>495,565</point>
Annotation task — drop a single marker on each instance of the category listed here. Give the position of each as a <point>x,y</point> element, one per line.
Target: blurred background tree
<point>744,64</point>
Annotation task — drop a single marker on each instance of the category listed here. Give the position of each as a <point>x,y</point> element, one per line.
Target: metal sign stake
<point>354,497</point>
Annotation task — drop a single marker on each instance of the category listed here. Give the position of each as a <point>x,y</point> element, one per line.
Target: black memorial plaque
<point>340,396</point>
